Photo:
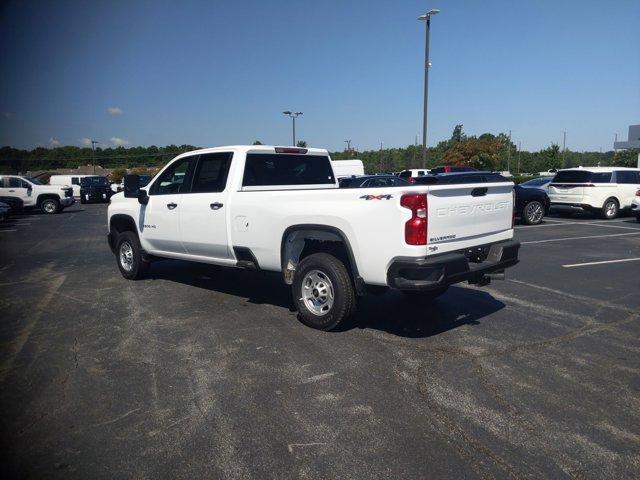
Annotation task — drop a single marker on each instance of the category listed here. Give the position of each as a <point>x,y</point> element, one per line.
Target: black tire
<point>82,200</point>
<point>50,206</point>
<point>317,269</point>
<point>427,296</point>
<point>533,213</point>
<point>138,267</point>
<point>610,209</point>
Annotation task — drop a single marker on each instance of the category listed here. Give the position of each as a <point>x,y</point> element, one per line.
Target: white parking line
<point>2,231</point>
<point>579,238</point>
<point>548,225</point>
<point>601,263</point>
<point>608,226</point>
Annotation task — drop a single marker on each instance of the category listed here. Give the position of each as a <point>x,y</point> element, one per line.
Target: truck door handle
<point>172,205</point>
<point>216,206</point>
<point>479,192</point>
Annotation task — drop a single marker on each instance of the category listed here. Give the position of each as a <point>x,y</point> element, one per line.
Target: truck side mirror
<point>131,186</point>
<point>143,198</point>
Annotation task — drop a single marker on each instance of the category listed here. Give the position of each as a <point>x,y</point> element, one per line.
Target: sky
<point>218,72</point>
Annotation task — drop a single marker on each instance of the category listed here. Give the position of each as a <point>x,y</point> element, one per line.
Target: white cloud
<point>85,141</point>
<point>114,111</point>
<point>54,142</point>
<point>119,142</point>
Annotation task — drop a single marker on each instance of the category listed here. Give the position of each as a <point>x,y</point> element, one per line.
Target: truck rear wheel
<point>129,256</point>
<point>322,292</point>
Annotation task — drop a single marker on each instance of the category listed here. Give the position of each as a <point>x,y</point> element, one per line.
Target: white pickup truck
<point>49,198</point>
<point>280,209</point>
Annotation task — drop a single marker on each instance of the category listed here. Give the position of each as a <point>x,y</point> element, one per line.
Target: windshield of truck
<point>581,176</point>
<point>94,182</point>
<point>270,169</point>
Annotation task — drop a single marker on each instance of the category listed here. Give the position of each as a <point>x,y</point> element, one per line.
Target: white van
<point>68,180</point>
<point>601,190</point>
<point>347,168</point>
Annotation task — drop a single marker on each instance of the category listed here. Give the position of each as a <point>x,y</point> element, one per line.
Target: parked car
<point>280,209</point>
<point>72,181</point>
<point>600,190</point>
<point>5,210</point>
<point>532,204</point>
<point>95,188</point>
<point>15,203</point>
<point>541,183</point>
<point>364,181</point>
<point>635,206</point>
<point>411,174</point>
<point>49,198</point>
<point>451,169</point>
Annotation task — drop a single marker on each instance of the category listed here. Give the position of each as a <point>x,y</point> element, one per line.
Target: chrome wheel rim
<point>610,209</point>
<point>535,212</point>
<point>317,292</point>
<point>49,207</point>
<point>126,256</point>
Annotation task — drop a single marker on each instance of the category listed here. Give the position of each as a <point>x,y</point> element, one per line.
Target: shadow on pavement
<point>392,312</point>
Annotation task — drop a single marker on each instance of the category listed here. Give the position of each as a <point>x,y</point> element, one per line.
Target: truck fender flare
<point>293,240</point>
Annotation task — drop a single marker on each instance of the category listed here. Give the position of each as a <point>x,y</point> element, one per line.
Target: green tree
<point>301,144</point>
<point>257,142</point>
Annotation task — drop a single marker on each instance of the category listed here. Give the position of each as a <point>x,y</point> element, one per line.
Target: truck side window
<point>211,173</point>
<point>174,179</point>
<point>16,183</point>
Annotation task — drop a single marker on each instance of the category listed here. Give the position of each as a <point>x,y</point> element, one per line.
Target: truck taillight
<point>415,229</point>
<point>513,204</point>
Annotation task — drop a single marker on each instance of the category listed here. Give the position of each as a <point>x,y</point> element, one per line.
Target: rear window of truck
<point>273,169</point>
<point>581,176</point>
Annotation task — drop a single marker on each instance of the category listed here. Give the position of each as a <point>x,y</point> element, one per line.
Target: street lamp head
<point>287,112</point>
<point>433,11</point>
<point>298,113</point>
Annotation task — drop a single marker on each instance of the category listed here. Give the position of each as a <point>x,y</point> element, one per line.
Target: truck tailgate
<point>463,215</point>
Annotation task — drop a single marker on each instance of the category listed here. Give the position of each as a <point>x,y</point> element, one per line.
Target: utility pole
<point>509,153</point>
<point>519,150</point>
<point>348,142</point>
<point>293,116</point>
<point>564,148</point>
<point>615,140</point>
<point>381,162</point>
<point>93,154</point>
<point>427,19</point>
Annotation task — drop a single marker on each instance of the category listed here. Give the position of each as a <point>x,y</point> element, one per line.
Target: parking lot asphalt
<point>201,371</point>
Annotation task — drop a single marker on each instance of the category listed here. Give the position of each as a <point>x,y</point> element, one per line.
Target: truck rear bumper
<point>429,273</point>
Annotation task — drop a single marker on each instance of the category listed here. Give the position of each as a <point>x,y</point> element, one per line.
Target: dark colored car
<point>96,189</point>
<point>15,203</point>
<point>451,169</point>
<point>532,204</point>
<point>364,181</point>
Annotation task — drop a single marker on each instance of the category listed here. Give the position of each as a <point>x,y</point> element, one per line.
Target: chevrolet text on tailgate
<point>280,209</point>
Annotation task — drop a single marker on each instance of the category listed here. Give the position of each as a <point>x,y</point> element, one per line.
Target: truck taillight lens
<point>415,230</point>
<point>513,212</point>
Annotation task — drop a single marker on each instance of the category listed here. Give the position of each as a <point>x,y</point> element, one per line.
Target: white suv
<point>602,190</point>
<point>48,198</point>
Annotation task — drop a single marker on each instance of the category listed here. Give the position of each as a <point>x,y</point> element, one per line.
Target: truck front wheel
<point>129,256</point>
<point>322,292</point>
<point>50,206</point>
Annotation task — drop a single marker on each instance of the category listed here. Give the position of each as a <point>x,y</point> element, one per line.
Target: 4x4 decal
<point>377,197</point>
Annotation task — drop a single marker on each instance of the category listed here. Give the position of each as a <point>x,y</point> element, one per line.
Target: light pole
<point>93,154</point>
<point>348,142</point>
<point>293,116</point>
<point>509,153</point>
<point>427,19</point>
<point>564,148</point>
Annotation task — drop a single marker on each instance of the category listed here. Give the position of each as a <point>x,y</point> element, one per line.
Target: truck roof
<point>257,149</point>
